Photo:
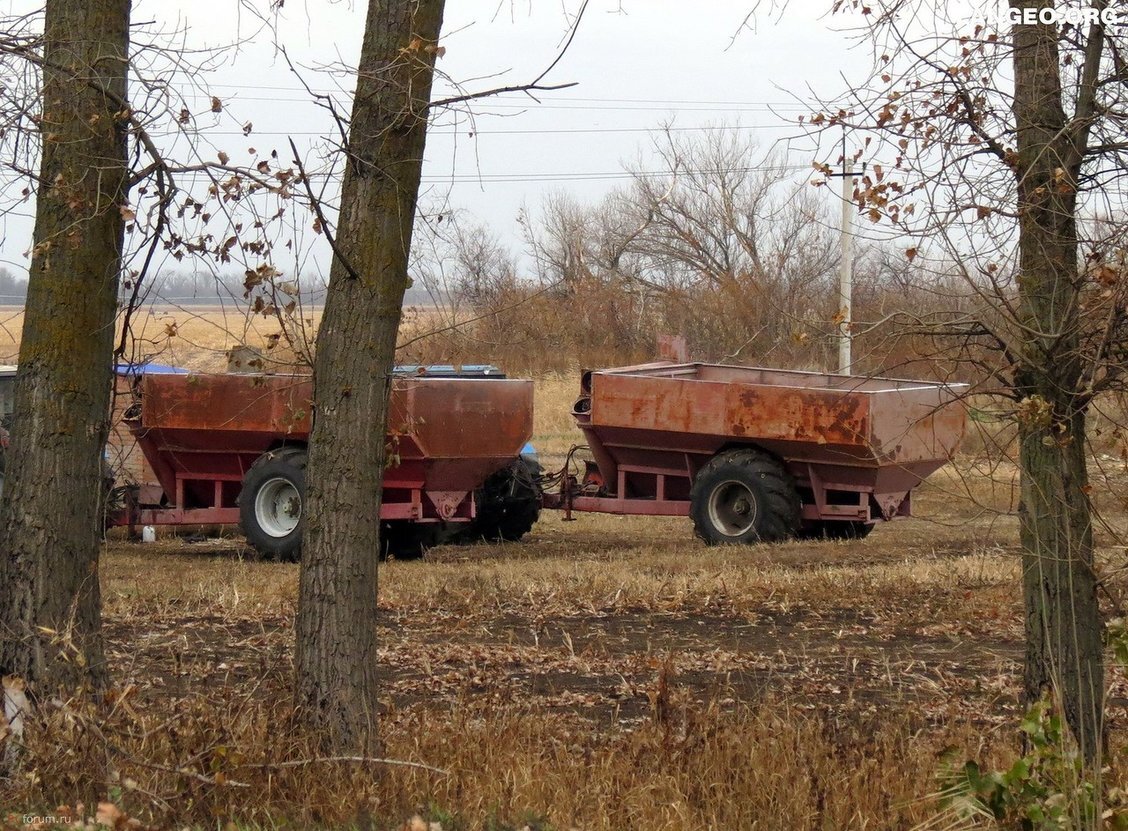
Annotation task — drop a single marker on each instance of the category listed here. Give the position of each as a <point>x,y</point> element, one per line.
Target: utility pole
<point>846,272</point>
<point>845,313</point>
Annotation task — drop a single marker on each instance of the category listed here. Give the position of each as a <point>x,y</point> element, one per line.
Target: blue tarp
<point>148,369</point>
<point>449,370</point>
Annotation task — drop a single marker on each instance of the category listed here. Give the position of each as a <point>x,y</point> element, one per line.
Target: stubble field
<point>609,673</point>
<point>606,673</point>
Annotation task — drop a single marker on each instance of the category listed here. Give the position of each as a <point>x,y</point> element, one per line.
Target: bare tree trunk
<point>1063,632</point>
<point>336,626</point>
<point>51,510</point>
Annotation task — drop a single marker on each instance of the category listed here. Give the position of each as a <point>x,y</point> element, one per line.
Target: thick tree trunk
<point>1063,632</point>
<point>51,510</point>
<point>336,627</point>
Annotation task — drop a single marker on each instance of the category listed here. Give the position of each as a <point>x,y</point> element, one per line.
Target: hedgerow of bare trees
<point>717,239</point>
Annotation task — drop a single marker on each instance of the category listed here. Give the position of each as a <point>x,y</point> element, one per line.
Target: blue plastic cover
<point>449,370</point>
<point>149,369</point>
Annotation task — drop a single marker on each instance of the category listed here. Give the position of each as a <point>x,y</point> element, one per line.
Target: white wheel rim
<point>278,507</point>
<point>732,508</point>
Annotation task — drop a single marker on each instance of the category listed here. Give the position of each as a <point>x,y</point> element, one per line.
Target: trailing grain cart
<point>230,449</point>
<point>756,455</point>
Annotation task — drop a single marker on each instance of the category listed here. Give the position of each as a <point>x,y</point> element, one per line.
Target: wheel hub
<point>732,508</point>
<point>278,507</point>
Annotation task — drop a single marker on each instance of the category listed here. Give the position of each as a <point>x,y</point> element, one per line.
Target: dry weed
<point>236,755</point>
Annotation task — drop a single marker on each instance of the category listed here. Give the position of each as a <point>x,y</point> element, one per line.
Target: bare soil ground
<point>584,616</point>
<point>900,647</point>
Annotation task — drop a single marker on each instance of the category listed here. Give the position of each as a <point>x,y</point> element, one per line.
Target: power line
<point>488,132</point>
<point>502,178</point>
<point>563,178</point>
<point>600,176</point>
<point>562,98</point>
<point>594,176</point>
<point>704,128</point>
<point>487,104</point>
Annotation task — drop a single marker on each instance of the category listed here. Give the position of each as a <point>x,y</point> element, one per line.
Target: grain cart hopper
<point>231,449</point>
<point>758,454</point>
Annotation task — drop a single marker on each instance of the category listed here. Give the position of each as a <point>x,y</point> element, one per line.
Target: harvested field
<point>579,616</point>
<point>199,337</point>
<point>605,673</point>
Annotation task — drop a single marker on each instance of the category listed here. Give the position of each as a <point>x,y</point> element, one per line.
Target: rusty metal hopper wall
<point>270,405</point>
<point>463,429</point>
<point>888,427</point>
<point>449,433</point>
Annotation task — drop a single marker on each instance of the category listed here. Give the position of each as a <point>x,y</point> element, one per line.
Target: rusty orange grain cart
<point>232,449</point>
<point>756,454</point>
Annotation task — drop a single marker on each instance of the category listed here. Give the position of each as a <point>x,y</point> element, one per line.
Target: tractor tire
<point>743,497</point>
<point>836,530</point>
<point>271,504</point>
<point>508,504</point>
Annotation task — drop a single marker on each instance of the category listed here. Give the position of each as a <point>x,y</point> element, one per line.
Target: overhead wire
<point>530,131</point>
<point>626,174</point>
<point>564,98</point>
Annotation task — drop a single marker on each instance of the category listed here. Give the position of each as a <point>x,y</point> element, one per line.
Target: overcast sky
<point>637,64</point>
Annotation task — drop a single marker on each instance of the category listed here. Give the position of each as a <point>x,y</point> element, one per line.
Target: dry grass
<point>554,429</point>
<point>198,337</point>
<point>603,674</point>
<point>685,767</point>
<point>193,337</point>
<point>608,673</point>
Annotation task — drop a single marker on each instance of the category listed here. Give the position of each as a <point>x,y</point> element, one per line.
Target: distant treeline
<point>13,289</point>
<point>207,289</point>
<point>169,287</point>
<point>191,289</point>
<point>203,288</point>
